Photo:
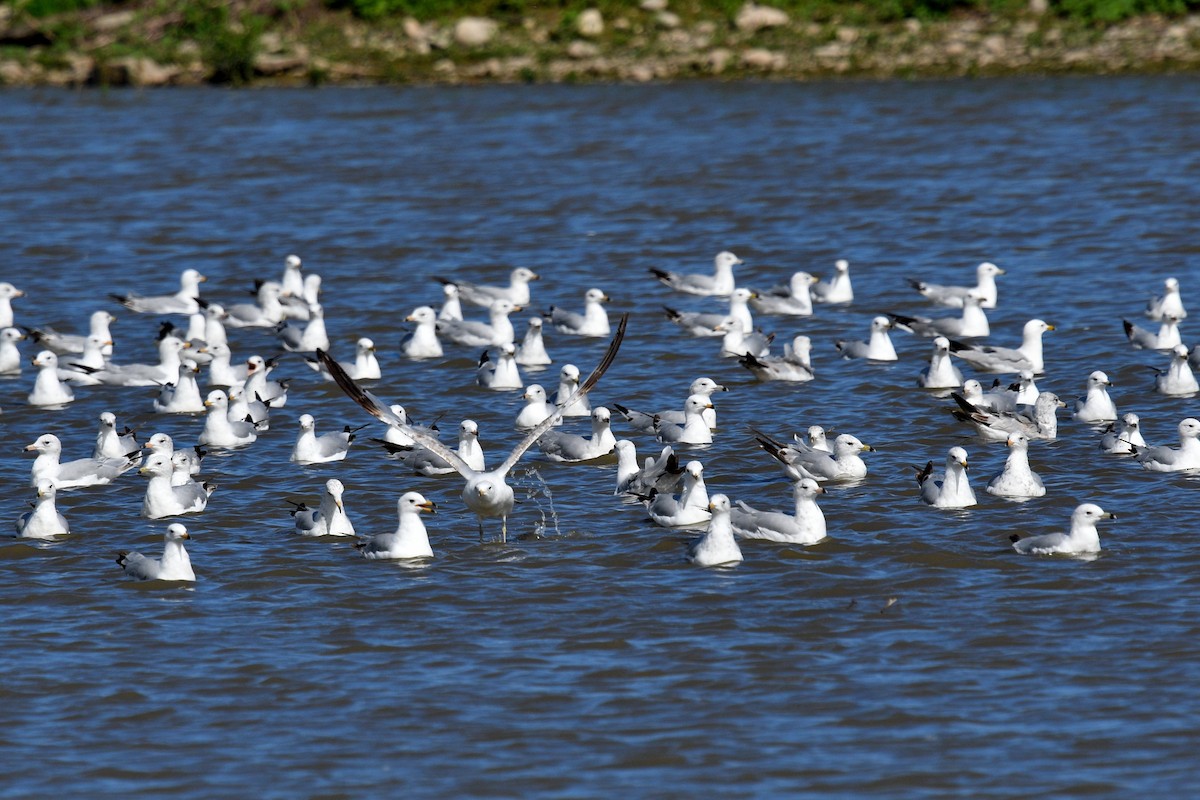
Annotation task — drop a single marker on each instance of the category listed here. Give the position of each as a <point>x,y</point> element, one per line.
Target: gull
<point>805,526</point>
<point>1125,437</point>
<point>214,325</point>
<point>1004,400</point>
<point>7,293</point>
<point>10,354</point>
<point>955,296</point>
<point>839,288</point>
<point>941,373</point>
<point>451,304</point>
<point>170,349</point>
<point>255,411</point>
<point>486,493</point>
<point>307,339</point>
<point>973,324</point>
<point>704,323</point>
<point>165,499</point>
<point>1171,459</point>
<point>48,389</point>
<point>793,300</point>
<point>517,291</point>
<point>802,461</point>
<point>329,518</point>
<point>1167,337</point>
<point>185,301</point>
<point>592,322</point>
<point>995,426</point>
<point>259,385</point>
<point>110,443</point>
<point>687,510</point>
<point>266,313</point>
<point>1027,357</point>
<point>1171,303</point>
<point>72,474</point>
<point>77,369</point>
<point>567,398</point>
<point>656,475</point>
<point>501,374</point>
<point>423,341</point>
<point>44,521</point>
<point>953,490</point>
<point>1016,479</point>
<point>185,463</point>
<point>1178,379</point>
<point>816,439</point>
<point>532,350</point>
<point>719,284</point>
<point>67,344</point>
<point>878,348</point>
<point>572,448</point>
<point>704,387</point>
<point>717,546</point>
<point>173,566</point>
<point>292,282</point>
<point>182,396</point>
<point>1081,538</point>
<point>219,429</point>
<point>365,366</point>
<point>470,333</point>
<point>1096,405</point>
<point>425,460</point>
<point>222,374</point>
<point>694,429</point>
<point>737,343</point>
<point>795,365</point>
<point>313,449</point>
<point>299,306</point>
<point>536,409</point>
<point>410,539</point>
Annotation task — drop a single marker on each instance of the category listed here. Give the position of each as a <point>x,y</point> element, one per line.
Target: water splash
<point>537,492</point>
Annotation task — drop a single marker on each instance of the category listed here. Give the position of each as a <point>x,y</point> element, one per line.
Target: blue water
<point>912,654</point>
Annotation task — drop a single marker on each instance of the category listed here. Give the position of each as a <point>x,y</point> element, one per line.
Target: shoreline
<point>311,45</point>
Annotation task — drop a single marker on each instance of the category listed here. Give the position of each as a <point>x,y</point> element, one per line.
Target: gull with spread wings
<point>486,493</point>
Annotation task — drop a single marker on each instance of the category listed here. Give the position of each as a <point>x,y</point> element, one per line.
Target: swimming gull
<point>794,299</point>
<point>71,474</point>
<point>660,474</point>
<point>111,443</point>
<point>795,365</point>
<point>165,499</point>
<point>10,353</point>
<point>410,539</point>
<point>48,388</point>
<point>1123,437</point>
<point>694,429</point>
<point>1081,538</point>
<point>451,304</point>
<point>704,323</point>
<point>517,291</point>
<point>173,566</point>
<point>185,301</point>
<point>737,343</point>
<point>689,508</point>
<point>309,338</point>
<point>802,461</point>
<point>68,343</point>
<point>717,546</point>
<point>941,373</point>
<point>839,288</point>
<point>592,322</point>
<point>532,350</point>
<point>567,398</point>
<point>186,462</point>
<point>472,333</point>
<point>1096,405</point>
<point>1170,303</point>
<point>567,447</point>
<point>878,348</point>
<point>183,395</point>
<point>1167,337</point>
<point>313,449</point>
<point>995,426</point>
<point>719,284</point>
<point>267,312</point>
<point>955,296</point>
<point>1172,459</point>
<point>221,431</point>
<point>329,518</point>
<point>1027,357</point>
<point>422,342</point>
<point>951,489</point>
<point>7,293</point>
<point>364,367</point>
<point>44,521</point>
<point>170,349</point>
<point>1177,380</point>
<point>427,462</point>
<point>973,324</point>
<point>1016,479</point>
<point>536,408</point>
<point>805,526</point>
<point>501,373</point>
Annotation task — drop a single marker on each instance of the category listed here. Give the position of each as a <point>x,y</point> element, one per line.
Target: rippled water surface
<point>911,654</point>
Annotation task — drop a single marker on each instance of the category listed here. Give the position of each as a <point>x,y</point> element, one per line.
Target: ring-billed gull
<point>253,411</point>
<point>805,526</point>
<point>794,365</point>
<point>165,499</point>
<point>955,296</point>
<point>704,323</point>
<point>10,353</point>
<point>486,493</point>
<point>260,385</point>
<point>451,303</point>
<point>973,324</point>
<point>1096,405</point>
<point>592,322</point>
<point>1027,357</point>
<point>44,521</point>
<point>170,349</point>
<point>536,407</point>
<point>501,373</point>
<point>878,348</point>
<point>941,373</point>
<point>703,386</point>
<point>660,474</point>
<point>737,343</point>
<point>802,461</point>
<point>1167,337</point>
<point>839,288</point>
<point>182,396</point>
<point>48,466</point>
<point>423,341</point>
<point>1171,459</point>
<point>689,508</point>
<point>365,366</point>
<point>517,291</point>
<point>719,284</point>
<point>1016,479</point>
<point>571,448</point>
<point>48,388</point>
<point>1123,437</point>
<point>221,431</point>
<point>292,282</point>
<point>427,462</point>
<point>68,343</point>
<point>994,400</point>
<point>186,463</point>
<point>1177,380</point>
<point>532,350</point>
<point>717,546</point>
<point>816,440</point>
<point>222,373</point>
<point>267,312</point>
<point>313,449</point>
<point>410,539</point>
<point>185,301</point>
<point>567,398</point>
<point>953,490</point>
<point>995,426</point>
<point>299,307</point>
<point>111,443</point>
<point>329,518</point>
<point>794,299</point>
<point>1081,538</point>
<point>7,293</point>
<point>472,333</point>
<point>694,429</point>
<point>309,338</point>
<point>1170,303</point>
<point>173,566</point>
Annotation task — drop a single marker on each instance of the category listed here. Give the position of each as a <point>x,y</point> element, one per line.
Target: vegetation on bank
<point>152,42</point>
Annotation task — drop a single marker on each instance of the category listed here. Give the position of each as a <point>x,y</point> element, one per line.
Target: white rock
<point>475,31</point>
<point>754,17</point>
<point>590,23</point>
